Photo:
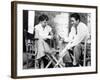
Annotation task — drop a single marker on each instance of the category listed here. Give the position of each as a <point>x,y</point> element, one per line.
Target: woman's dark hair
<point>76,16</point>
<point>43,17</point>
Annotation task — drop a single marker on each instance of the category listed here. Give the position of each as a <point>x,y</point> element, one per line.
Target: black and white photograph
<point>55,39</point>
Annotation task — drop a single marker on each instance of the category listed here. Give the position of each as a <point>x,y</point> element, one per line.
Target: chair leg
<point>51,61</point>
<point>41,64</point>
<point>84,59</point>
<point>27,62</point>
<point>56,61</point>
<point>48,64</point>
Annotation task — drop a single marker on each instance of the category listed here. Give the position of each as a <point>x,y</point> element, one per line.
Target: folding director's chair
<point>53,59</point>
<point>84,54</point>
<point>31,50</point>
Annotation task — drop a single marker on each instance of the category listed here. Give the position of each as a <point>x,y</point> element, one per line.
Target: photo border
<point>14,37</point>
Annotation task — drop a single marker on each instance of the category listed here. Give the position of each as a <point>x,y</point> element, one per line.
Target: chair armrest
<point>35,39</point>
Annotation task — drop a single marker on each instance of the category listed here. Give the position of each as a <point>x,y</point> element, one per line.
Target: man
<point>43,32</point>
<point>78,33</point>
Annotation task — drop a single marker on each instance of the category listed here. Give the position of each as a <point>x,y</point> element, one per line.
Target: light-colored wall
<point>5,40</point>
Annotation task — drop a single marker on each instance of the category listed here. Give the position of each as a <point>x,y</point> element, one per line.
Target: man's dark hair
<point>43,17</point>
<point>76,16</point>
